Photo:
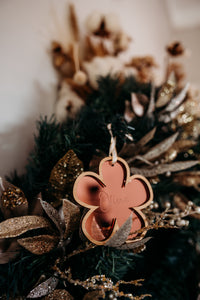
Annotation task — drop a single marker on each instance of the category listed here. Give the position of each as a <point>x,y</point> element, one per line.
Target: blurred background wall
<point>27,78</point>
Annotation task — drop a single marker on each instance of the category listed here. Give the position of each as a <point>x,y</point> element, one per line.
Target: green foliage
<point>103,260</point>
<point>169,263</point>
<point>18,277</point>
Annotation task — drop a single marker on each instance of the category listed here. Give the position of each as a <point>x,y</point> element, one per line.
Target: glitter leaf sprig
<point>65,227</point>
<point>13,202</point>
<point>63,176</point>
<point>44,288</point>
<point>16,226</point>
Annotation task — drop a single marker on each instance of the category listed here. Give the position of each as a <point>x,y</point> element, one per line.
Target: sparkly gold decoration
<point>39,244</point>
<point>12,200</point>
<point>192,103</point>
<point>43,243</point>
<point>44,288</point>
<point>178,147</point>
<point>178,99</point>
<point>104,284</point>
<point>166,92</point>
<point>186,206</point>
<point>171,217</point>
<point>188,116</point>
<point>16,226</point>
<point>63,176</point>
<point>13,197</point>
<point>59,295</point>
<point>65,227</point>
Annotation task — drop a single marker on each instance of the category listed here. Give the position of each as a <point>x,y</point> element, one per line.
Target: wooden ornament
<point>111,197</point>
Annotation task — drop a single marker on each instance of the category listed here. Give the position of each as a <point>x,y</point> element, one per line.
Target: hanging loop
<point>112,149</point>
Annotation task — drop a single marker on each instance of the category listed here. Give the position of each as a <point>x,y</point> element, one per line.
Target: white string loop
<point>112,149</point>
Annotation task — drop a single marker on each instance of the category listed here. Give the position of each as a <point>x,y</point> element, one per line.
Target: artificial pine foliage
<point>169,263</point>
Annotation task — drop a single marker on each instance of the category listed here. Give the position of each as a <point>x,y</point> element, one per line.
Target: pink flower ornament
<point>111,197</point>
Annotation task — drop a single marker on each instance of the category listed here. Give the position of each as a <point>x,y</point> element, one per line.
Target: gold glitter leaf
<point>16,226</point>
<point>121,235</point>
<point>39,244</point>
<point>163,168</point>
<point>160,148</point>
<point>72,217</point>
<point>59,294</point>
<point>44,288</point>
<point>64,174</point>
<point>13,202</point>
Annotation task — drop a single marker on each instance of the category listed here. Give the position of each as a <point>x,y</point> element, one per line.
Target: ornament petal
<point>138,191</point>
<point>16,226</point>
<point>87,189</point>
<point>113,175</point>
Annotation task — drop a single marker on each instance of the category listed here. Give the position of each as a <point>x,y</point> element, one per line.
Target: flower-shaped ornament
<point>111,197</point>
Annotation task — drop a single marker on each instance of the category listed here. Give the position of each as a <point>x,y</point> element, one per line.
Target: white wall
<point>27,78</point>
